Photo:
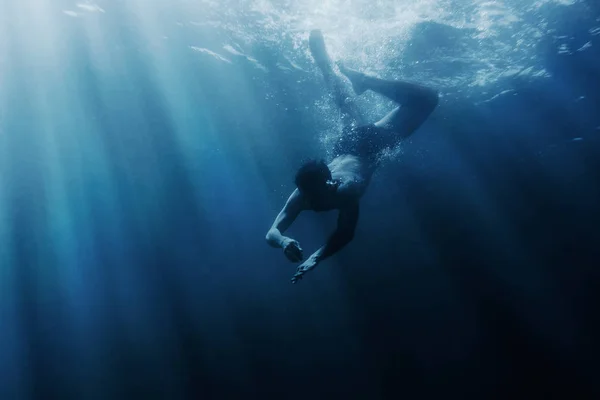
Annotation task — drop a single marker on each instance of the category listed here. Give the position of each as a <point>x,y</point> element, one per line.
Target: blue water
<point>146,147</point>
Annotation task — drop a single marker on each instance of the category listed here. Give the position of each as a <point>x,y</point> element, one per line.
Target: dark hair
<point>311,177</point>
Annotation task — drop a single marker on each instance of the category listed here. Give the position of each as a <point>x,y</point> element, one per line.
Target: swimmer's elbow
<point>273,238</point>
<point>269,236</point>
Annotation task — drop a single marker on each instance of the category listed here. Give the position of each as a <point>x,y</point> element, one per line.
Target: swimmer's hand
<point>304,268</point>
<point>292,249</point>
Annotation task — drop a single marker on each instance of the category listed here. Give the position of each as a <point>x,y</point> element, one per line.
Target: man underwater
<point>340,184</point>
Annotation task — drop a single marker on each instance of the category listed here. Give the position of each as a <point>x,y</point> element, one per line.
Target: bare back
<point>353,174</point>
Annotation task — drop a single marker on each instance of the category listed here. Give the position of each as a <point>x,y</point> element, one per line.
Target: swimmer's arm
<point>343,234</point>
<point>291,210</point>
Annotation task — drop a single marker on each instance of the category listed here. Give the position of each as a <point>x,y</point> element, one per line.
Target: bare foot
<point>356,78</point>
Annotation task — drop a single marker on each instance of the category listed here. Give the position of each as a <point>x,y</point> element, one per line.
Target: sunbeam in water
<point>147,146</point>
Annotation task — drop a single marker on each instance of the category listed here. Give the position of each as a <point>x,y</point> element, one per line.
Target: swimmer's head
<point>314,180</point>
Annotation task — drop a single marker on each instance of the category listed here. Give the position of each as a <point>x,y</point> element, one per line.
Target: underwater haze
<point>147,145</point>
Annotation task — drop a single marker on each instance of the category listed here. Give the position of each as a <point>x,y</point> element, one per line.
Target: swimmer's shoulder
<point>350,191</point>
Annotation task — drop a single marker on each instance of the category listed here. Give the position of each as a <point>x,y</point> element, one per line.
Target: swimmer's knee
<point>431,100</point>
<point>424,105</point>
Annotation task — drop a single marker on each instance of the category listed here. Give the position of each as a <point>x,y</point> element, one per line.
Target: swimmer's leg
<point>415,102</point>
<point>340,90</point>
